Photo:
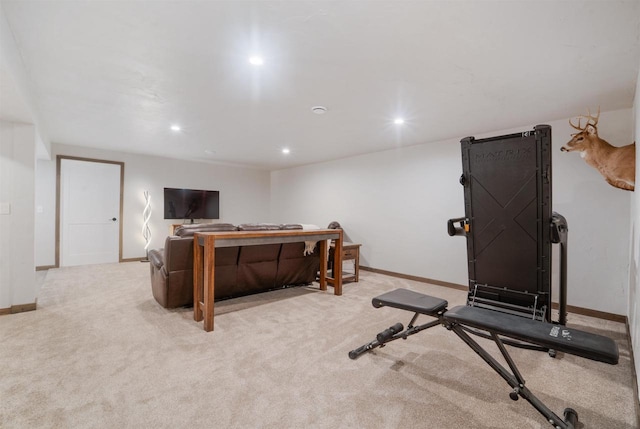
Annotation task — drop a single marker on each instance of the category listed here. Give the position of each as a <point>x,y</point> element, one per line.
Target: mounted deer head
<point>586,137</point>
<point>616,164</point>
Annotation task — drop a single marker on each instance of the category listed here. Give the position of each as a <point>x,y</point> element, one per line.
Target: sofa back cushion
<point>178,253</point>
<point>258,227</point>
<point>290,226</point>
<point>178,256</point>
<point>226,273</point>
<point>257,265</point>
<point>189,229</point>
<point>294,267</point>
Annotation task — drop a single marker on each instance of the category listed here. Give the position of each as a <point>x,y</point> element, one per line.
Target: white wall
<point>45,215</point>
<point>633,309</point>
<point>244,195</point>
<point>17,165</point>
<point>396,204</point>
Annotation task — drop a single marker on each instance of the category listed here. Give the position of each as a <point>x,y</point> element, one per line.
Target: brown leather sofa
<point>239,271</point>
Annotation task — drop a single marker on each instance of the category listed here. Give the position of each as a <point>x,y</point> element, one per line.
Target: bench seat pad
<point>406,299</point>
<point>556,337</point>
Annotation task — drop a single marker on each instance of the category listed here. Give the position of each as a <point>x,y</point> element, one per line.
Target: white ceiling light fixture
<point>176,127</point>
<point>256,60</point>
<point>319,110</point>
<point>398,121</point>
<point>286,151</point>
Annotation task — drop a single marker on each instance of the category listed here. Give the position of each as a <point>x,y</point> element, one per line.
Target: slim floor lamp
<point>146,231</point>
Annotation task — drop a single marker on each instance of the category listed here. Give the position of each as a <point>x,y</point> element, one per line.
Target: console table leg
<point>337,266</point>
<point>209,281</point>
<point>323,264</point>
<point>198,262</point>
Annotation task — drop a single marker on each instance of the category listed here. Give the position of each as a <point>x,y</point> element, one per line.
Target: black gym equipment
<point>508,221</point>
<point>497,325</point>
<point>510,227</point>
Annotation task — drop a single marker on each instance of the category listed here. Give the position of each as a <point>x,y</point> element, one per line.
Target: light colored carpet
<point>101,353</point>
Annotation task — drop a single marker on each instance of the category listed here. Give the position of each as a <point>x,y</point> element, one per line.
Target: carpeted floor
<point>101,353</point>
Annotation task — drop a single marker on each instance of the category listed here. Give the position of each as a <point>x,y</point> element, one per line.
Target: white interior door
<point>89,212</point>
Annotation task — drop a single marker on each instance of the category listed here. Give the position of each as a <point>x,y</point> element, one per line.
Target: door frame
<point>59,159</point>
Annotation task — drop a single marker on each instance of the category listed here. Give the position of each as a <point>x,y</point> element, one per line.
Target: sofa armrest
<point>156,258</point>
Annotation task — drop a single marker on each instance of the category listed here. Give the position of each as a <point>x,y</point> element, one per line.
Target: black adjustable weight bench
<point>500,327</point>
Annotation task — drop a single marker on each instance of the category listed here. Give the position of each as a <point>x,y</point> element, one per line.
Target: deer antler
<point>593,118</point>
<point>590,118</point>
<point>578,127</point>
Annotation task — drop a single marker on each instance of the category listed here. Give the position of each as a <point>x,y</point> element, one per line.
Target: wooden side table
<point>350,252</point>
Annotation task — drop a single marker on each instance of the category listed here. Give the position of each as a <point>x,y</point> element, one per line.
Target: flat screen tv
<point>191,204</point>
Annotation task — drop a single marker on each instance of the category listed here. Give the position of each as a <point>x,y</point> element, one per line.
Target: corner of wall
<point>17,195</point>
<point>633,309</point>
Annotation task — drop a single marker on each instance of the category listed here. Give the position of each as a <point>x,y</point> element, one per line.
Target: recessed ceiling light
<point>319,110</point>
<point>398,121</point>
<point>175,128</point>
<point>286,151</point>
<point>256,60</point>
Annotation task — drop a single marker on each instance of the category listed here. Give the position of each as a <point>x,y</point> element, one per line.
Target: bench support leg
<point>515,380</point>
<point>393,333</point>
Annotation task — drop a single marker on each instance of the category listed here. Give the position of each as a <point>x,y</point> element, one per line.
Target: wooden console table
<point>205,243</point>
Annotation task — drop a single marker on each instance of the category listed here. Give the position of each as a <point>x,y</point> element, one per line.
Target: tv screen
<point>191,204</point>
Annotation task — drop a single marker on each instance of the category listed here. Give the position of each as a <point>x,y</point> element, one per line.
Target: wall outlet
<point>5,208</point>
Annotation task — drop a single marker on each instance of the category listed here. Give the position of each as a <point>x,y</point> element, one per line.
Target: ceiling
<point>117,75</point>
